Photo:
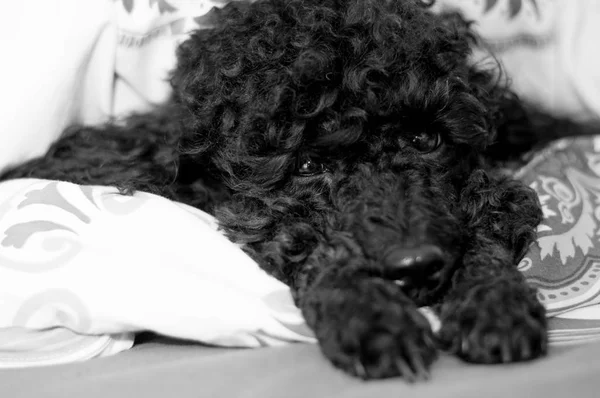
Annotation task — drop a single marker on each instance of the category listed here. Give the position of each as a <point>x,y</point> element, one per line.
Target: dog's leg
<point>140,154</point>
<point>137,154</point>
<point>490,314</point>
<point>365,324</point>
<point>344,265</point>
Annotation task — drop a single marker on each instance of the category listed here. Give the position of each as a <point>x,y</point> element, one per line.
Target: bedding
<point>80,261</point>
<point>167,269</point>
<point>548,49</point>
<point>182,370</point>
<point>105,58</point>
<point>73,61</point>
<point>83,270</point>
<point>56,69</point>
<point>564,263</point>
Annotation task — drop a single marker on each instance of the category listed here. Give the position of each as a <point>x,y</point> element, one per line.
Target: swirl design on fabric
<point>59,304</point>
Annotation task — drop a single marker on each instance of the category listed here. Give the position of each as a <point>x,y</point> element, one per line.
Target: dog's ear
<point>502,210</point>
<point>198,80</point>
<point>237,96</point>
<point>191,80</point>
<point>512,127</point>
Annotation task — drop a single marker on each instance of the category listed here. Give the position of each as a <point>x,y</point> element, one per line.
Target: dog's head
<point>349,124</point>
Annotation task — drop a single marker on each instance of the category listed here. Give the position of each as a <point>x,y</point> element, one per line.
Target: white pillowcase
<point>548,49</point>
<point>57,69</point>
<point>101,264</point>
<point>74,61</point>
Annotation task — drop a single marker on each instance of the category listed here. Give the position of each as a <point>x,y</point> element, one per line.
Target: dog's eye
<point>425,142</point>
<point>308,167</point>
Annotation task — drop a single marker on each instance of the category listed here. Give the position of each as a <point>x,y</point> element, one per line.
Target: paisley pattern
<point>42,232</point>
<point>514,6</point>
<point>50,230</point>
<point>66,307</point>
<point>564,264</point>
<point>508,24</point>
<point>43,229</point>
<point>163,5</point>
<point>170,18</point>
<point>70,263</point>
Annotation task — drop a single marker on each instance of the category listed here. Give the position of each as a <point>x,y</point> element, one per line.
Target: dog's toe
<point>498,327</point>
<point>380,353</point>
<point>372,334</point>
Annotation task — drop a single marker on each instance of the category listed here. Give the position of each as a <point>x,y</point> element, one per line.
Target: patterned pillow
<point>564,264</point>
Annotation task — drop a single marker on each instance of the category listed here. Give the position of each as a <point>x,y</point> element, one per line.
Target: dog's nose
<point>418,262</point>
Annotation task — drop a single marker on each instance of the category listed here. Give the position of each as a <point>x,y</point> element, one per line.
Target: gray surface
<point>167,370</point>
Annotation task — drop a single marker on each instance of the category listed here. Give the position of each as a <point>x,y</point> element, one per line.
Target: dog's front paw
<point>371,330</point>
<point>498,322</point>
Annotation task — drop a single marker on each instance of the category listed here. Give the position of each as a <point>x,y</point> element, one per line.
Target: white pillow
<point>57,69</point>
<point>548,49</point>
<point>73,61</point>
<point>98,263</point>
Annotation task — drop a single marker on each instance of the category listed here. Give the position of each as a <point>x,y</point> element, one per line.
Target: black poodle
<point>353,149</point>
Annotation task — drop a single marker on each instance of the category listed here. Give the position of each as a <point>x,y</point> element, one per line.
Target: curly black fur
<point>310,129</point>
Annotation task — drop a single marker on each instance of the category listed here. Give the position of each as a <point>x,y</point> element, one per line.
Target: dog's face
<point>358,120</point>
